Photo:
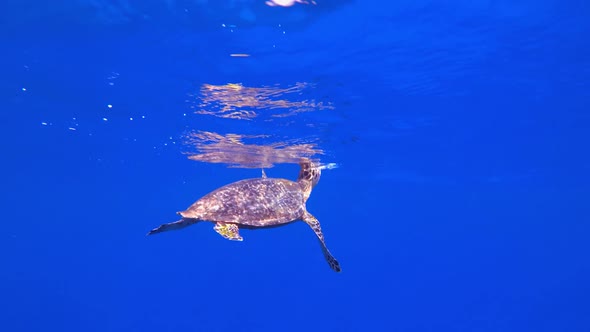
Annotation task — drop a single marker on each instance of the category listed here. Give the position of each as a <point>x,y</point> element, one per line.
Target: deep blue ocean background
<point>460,201</point>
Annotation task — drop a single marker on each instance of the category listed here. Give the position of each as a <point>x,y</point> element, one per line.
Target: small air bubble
<point>105,119</point>
<point>329,166</point>
<point>110,106</point>
<point>130,119</point>
<point>24,89</point>
<point>44,123</point>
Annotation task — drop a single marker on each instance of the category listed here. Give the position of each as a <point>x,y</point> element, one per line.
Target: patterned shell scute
<point>254,202</point>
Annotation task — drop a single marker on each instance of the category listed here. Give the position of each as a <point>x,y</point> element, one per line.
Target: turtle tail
<point>182,223</point>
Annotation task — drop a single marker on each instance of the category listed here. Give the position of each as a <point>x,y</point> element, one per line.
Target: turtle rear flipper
<point>228,231</point>
<point>182,223</point>
<point>315,226</point>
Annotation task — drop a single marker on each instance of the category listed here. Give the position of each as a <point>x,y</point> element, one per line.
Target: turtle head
<point>309,174</point>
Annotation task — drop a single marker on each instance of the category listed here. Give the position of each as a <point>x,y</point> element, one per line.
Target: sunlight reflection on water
<point>235,101</point>
<point>230,149</point>
<point>267,103</point>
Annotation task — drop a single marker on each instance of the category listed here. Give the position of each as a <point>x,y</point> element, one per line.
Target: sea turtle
<point>257,203</point>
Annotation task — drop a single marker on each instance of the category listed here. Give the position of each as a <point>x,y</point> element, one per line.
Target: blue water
<point>460,201</point>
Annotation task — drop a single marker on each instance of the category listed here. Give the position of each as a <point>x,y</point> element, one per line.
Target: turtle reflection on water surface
<point>257,203</point>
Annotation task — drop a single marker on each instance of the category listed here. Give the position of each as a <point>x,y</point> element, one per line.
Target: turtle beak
<point>316,173</point>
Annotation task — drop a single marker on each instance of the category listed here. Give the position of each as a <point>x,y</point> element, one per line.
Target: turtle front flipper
<point>228,231</point>
<point>182,223</point>
<point>315,226</point>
